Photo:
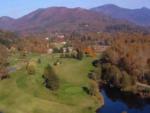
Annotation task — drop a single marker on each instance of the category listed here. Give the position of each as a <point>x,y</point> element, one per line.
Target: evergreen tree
<point>39,61</point>
<point>79,54</point>
<point>51,79</point>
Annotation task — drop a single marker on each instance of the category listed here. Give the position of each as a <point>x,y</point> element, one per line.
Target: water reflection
<point>117,102</point>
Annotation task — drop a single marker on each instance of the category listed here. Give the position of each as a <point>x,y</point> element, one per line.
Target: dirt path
<point>16,67</point>
<point>143,85</point>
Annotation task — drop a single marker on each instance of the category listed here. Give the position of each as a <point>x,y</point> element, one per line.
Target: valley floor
<point>23,93</point>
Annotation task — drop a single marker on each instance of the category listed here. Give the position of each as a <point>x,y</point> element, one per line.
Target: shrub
<point>56,50</point>
<point>39,61</point>
<point>31,67</point>
<point>96,74</point>
<point>93,89</point>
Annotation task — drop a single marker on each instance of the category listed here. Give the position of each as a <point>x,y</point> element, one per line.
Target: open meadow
<point>24,93</point>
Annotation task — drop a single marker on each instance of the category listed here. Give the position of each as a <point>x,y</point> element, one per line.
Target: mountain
<point>6,22</point>
<point>64,20</point>
<point>138,16</point>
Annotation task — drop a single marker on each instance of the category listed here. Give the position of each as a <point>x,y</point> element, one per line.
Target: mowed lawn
<point>23,93</point>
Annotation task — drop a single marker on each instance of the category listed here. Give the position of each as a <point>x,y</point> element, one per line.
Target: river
<point>117,102</point>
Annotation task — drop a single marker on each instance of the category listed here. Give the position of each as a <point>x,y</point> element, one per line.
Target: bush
<point>39,61</point>
<point>51,79</point>
<point>31,67</point>
<point>93,89</point>
<point>96,74</point>
<point>56,50</point>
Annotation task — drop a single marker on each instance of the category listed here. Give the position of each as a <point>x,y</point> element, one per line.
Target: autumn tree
<point>127,82</point>
<point>3,61</point>
<point>111,74</point>
<point>130,55</point>
<point>32,44</point>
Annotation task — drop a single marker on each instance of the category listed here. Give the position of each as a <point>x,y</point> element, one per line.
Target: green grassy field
<point>23,93</point>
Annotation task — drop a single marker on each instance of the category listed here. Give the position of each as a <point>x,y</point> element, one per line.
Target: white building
<point>50,51</point>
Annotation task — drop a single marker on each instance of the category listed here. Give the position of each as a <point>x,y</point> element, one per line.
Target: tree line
<point>125,63</point>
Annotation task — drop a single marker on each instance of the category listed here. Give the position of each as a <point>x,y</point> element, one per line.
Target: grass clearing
<point>23,93</point>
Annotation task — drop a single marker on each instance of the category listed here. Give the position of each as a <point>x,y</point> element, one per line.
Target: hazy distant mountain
<point>138,16</point>
<point>61,19</point>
